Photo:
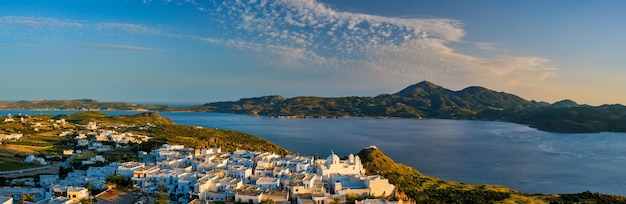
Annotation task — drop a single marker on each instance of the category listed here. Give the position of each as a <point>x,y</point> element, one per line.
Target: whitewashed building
<point>334,165</point>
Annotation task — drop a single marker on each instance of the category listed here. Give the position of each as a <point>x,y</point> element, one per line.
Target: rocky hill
<point>428,100</point>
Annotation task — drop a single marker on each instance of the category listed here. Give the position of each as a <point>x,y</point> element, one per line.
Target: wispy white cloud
<point>127,27</point>
<point>30,23</point>
<point>23,26</point>
<point>484,46</point>
<point>307,34</point>
<point>119,47</point>
<point>38,22</point>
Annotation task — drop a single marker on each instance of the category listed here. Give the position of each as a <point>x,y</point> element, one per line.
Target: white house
<point>172,147</point>
<point>47,180</point>
<point>378,185</point>
<point>306,184</point>
<point>240,172</point>
<point>248,194</point>
<point>265,183</point>
<point>127,168</point>
<point>34,159</point>
<point>353,184</point>
<point>142,174</point>
<point>101,171</point>
<point>77,193</point>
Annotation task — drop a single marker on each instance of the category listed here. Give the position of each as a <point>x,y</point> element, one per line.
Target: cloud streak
<point>19,24</point>
<point>120,47</point>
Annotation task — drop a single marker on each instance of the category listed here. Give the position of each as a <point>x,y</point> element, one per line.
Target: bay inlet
<point>512,155</point>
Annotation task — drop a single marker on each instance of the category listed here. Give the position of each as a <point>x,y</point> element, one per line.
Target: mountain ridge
<point>428,100</point>
<point>421,100</point>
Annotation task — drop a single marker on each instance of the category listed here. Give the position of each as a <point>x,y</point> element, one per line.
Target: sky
<point>195,51</point>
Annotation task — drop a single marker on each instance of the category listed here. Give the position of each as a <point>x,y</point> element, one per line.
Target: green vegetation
<point>161,196</point>
<point>414,186</point>
<point>105,120</point>
<point>119,181</point>
<point>27,198</point>
<point>8,164</point>
<point>586,197</point>
<point>194,137</point>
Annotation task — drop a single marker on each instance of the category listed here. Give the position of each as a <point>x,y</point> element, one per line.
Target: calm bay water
<point>508,154</point>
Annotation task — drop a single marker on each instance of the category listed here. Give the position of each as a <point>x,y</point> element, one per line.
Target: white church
<point>334,165</point>
<point>348,177</point>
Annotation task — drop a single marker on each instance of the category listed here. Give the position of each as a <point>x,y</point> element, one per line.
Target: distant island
<point>422,100</point>
<point>78,104</point>
<point>115,148</point>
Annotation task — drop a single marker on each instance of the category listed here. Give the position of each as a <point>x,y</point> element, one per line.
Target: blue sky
<point>204,51</point>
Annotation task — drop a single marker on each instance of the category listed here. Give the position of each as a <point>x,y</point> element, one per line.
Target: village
<point>177,174</point>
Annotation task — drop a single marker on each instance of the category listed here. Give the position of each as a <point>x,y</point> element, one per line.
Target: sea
<point>485,152</point>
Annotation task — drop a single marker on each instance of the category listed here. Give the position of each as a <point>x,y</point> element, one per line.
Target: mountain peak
<point>565,104</point>
<point>423,88</point>
<point>474,89</point>
<point>427,84</point>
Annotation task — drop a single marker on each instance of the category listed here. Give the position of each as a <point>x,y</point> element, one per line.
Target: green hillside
<point>166,131</point>
<point>411,185</point>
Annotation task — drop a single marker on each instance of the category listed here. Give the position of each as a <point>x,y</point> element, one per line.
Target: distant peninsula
<point>421,100</point>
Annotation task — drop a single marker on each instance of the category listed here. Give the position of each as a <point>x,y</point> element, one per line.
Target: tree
<point>162,188</point>
<point>160,198</point>
<point>89,186</point>
<point>27,197</point>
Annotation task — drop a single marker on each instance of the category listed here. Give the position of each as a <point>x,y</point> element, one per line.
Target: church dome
<point>332,159</point>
